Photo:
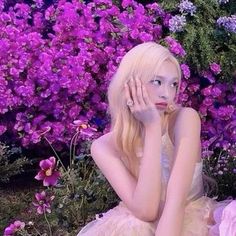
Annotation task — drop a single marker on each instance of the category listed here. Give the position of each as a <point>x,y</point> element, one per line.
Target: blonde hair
<point>142,61</point>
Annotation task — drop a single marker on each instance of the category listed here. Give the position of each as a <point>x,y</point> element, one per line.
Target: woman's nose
<point>164,93</point>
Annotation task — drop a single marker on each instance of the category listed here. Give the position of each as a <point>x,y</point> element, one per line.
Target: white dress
<point>119,221</point>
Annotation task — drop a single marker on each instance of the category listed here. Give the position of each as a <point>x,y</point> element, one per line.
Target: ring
<point>130,103</point>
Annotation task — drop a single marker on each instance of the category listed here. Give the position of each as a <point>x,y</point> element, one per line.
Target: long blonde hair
<point>142,61</point>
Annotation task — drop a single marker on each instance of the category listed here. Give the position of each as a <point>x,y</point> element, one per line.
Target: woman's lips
<point>161,105</point>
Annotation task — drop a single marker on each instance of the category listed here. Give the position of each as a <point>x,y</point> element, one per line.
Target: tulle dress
<point>203,215</point>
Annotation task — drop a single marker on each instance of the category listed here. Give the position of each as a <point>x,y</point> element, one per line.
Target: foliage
<point>11,162</point>
<point>204,40</point>
<point>79,192</point>
<point>221,167</point>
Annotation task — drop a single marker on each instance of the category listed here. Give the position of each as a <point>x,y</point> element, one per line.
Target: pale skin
<point>142,195</point>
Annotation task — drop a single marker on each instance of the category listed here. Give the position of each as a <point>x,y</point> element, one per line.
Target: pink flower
<point>185,70</point>
<point>215,68</point>
<point>43,203</point>
<point>84,129</point>
<point>175,47</point>
<point>47,172</point>
<point>208,75</point>
<point>12,228</point>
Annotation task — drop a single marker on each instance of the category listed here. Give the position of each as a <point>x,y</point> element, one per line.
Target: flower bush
<point>60,66</point>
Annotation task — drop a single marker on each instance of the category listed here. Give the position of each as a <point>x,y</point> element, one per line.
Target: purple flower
<point>3,129</point>
<point>39,3</point>
<point>185,70</point>
<point>223,1</point>
<point>229,23</point>
<point>187,7</point>
<point>208,75</point>
<point>13,228</point>
<point>126,3</point>
<point>43,203</point>
<point>225,112</point>
<point>177,23</point>
<point>85,129</point>
<point>47,172</point>
<point>175,47</point>
<point>215,68</point>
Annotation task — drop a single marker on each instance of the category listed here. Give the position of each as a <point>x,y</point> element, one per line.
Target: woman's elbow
<point>147,215</point>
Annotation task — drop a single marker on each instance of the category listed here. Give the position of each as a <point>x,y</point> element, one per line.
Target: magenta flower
<point>175,47</point>
<point>215,68</point>
<point>208,75</point>
<point>84,129</point>
<point>12,228</point>
<point>43,203</point>
<point>48,173</point>
<point>185,70</point>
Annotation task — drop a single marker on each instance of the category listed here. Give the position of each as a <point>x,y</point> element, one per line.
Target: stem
<point>76,137</point>
<point>56,154</point>
<point>49,226</point>
<point>59,159</point>
<point>72,144</point>
<point>38,233</point>
<point>86,187</point>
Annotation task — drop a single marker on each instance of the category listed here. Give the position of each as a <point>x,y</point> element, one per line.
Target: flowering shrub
<point>60,66</point>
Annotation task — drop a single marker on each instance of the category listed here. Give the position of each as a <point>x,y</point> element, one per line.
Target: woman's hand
<point>142,109</point>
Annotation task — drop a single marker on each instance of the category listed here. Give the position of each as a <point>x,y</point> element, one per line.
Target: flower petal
<point>40,175</point>
<point>45,164</point>
<point>51,180</point>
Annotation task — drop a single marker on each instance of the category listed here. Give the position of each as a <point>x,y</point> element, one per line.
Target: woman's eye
<point>175,84</point>
<point>156,82</point>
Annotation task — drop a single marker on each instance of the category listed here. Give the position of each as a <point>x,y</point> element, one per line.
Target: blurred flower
<point>13,228</point>
<point>229,23</point>
<point>174,46</point>
<point>208,75</point>
<point>39,3</point>
<point>187,7</point>
<point>223,1</point>
<point>47,172</point>
<point>185,70</point>
<point>84,129</point>
<point>215,68</point>
<point>43,203</point>
<point>177,23</point>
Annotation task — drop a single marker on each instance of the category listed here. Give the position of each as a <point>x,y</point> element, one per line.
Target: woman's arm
<point>148,189</point>
<point>187,144</point>
<point>141,196</point>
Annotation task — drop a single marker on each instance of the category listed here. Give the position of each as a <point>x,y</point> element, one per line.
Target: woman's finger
<point>127,92</point>
<point>133,91</point>
<point>146,96</point>
<point>128,96</point>
<point>140,92</point>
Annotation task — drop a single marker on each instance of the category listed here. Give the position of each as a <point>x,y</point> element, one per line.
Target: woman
<point>152,155</point>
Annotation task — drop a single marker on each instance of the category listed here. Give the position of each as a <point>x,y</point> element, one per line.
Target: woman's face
<point>163,86</point>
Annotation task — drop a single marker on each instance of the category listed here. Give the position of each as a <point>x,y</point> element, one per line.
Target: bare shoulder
<point>103,143</point>
<point>185,114</point>
<point>182,117</point>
